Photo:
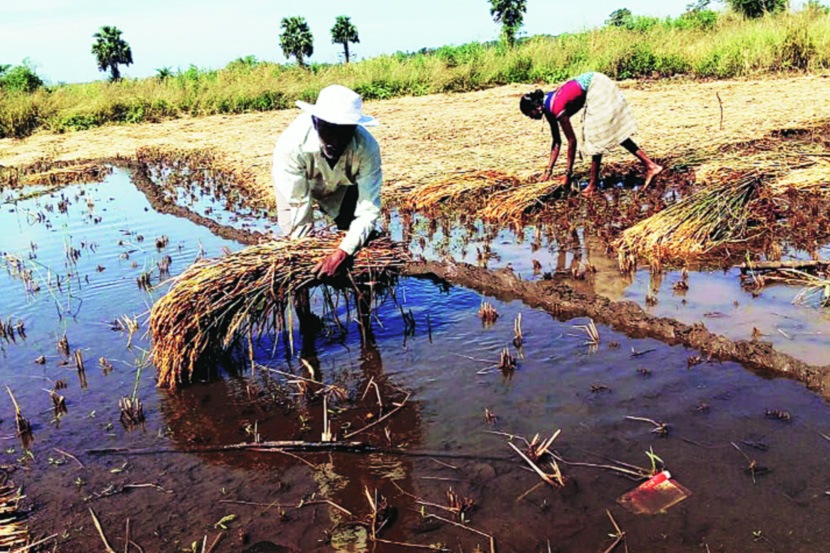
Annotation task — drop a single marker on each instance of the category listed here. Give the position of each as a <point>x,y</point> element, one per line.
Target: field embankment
<point>698,46</point>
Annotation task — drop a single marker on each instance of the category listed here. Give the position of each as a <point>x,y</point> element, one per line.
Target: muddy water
<point>719,301</point>
<point>714,298</point>
<point>446,374</point>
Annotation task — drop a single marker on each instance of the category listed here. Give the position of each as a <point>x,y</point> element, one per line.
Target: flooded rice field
<point>430,401</point>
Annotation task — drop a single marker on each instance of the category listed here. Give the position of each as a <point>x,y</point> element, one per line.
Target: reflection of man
<point>328,156</point>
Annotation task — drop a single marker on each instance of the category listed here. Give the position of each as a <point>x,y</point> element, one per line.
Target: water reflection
<point>269,405</point>
<point>565,249</point>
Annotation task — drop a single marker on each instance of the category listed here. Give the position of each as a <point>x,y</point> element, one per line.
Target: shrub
<point>244,64</point>
<point>517,70</point>
<point>699,19</point>
<point>310,94</point>
<point>721,63</point>
<point>798,48</point>
<point>635,62</point>
<point>642,23</point>
<point>76,122</point>
<point>21,78</point>
<point>20,115</point>
<point>453,56</point>
<point>378,89</point>
<point>814,7</point>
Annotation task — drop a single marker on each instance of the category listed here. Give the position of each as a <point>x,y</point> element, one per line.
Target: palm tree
<point>164,73</point>
<point>343,33</point>
<point>510,13</point>
<point>111,51</point>
<point>296,39</point>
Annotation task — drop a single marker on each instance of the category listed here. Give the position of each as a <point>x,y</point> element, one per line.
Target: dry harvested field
<point>425,138</point>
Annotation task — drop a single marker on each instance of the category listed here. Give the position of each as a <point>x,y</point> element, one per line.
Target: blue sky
<point>56,35</point>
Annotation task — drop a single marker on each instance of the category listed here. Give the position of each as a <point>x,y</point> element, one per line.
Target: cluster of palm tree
<point>296,38</point>
<point>112,51</point>
<point>297,41</point>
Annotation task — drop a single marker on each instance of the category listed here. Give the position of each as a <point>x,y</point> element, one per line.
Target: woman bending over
<point>606,122</point>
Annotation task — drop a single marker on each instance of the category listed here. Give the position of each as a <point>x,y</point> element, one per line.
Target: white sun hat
<point>339,105</point>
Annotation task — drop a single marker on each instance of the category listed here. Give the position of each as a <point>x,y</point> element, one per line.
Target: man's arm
<point>367,211</point>
<point>294,209</point>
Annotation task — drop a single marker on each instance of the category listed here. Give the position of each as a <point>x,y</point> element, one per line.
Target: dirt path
<point>428,137</point>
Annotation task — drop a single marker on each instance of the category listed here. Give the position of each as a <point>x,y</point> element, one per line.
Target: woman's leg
<point>652,169</point>
<point>593,179</point>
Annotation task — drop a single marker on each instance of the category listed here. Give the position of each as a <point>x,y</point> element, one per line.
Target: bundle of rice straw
<point>515,202</point>
<point>462,189</point>
<point>815,178</point>
<point>13,531</point>
<point>215,302</point>
<point>695,225</point>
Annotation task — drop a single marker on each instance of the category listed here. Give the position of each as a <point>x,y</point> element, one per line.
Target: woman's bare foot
<point>590,190</point>
<point>652,172</point>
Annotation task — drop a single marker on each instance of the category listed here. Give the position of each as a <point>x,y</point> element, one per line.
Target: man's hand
<point>328,266</point>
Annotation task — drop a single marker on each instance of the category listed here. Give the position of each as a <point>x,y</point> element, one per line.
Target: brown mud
<point>470,131</point>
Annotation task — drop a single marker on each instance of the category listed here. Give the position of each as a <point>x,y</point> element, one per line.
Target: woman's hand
<point>566,179</point>
<point>544,177</point>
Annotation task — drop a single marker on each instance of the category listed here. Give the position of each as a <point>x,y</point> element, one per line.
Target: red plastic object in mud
<point>655,495</point>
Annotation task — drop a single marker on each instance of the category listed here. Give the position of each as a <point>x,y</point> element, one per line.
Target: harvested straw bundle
<point>13,531</point>
<point>695,225</point>
<point>511,204</point>
<point>462,189</point>
<point>213,303</point>
<point>815,178</point>
<point>797,157</point>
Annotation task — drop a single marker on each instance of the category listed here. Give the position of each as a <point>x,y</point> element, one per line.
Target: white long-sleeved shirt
<point>301,174</point>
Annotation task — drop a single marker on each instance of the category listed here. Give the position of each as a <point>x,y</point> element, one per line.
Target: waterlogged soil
<point>751,448</point>
<point>712,297</point>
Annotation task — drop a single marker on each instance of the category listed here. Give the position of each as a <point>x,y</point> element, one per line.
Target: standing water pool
<point>87,261</point>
